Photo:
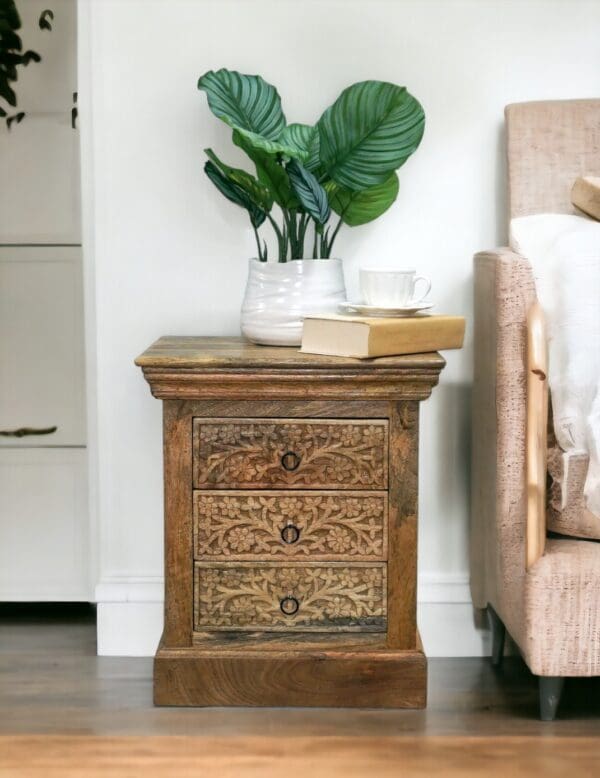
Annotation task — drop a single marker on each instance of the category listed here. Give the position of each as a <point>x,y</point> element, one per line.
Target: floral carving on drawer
<point>247,453</point>
<point>322,598</point>
<point>324,525</point>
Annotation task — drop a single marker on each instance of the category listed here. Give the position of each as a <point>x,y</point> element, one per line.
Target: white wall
<point>167,255</point>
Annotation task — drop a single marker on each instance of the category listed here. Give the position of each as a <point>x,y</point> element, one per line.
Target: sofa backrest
<point>550,143</point>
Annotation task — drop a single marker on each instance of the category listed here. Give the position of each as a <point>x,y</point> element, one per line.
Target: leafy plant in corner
<point>344,165</point>
<point>12,55</point>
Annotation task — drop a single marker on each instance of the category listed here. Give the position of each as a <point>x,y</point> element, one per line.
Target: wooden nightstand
<point>290,525</point>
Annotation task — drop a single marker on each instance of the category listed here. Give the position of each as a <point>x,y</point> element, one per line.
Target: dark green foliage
<point>345,163</point>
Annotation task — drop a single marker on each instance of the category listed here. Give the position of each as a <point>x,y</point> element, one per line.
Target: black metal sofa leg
<point>498,636</point>
<point>550,690</point>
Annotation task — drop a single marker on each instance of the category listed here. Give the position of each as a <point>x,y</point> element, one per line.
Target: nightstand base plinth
<point>373,677</point>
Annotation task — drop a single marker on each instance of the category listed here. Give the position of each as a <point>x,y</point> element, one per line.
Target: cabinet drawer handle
<point>289,605</point>
<point>24,431</point>
<point>290,461</point>
<point>290,534</point>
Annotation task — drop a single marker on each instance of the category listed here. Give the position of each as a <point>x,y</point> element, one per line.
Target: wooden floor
<point>65,712</point>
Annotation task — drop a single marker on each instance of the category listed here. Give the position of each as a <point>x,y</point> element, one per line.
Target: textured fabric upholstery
<point>504,291</point>
<point>550,144</point>
<point>562,606</point>
<point>567,513</point>
<point>552,611</point>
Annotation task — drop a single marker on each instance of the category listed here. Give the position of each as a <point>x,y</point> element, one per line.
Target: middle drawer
<point>314,525</point>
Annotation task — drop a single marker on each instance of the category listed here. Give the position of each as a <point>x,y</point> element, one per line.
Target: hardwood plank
<point>295,757</point>
<point>51,682</point>
<point>177,454</point>
<point>402,533</point>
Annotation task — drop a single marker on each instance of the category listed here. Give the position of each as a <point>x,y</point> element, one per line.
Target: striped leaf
<point>357,208</point>
<point>235,194</point>
<point>247,103</point>
<point>270,173</point>
<point>311,194</point>
<point>370,131</point>
<point>273,147</point>
<point>253,188</point>
<point>303,140</point>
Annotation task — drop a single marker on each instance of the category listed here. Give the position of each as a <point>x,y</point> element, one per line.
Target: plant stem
<point>281,242</point>
<point>333,237</point>
<point>304,221</point>
<point>287,230</point>
<point>293,235</point>
<point>260,251</point>
<point>324,253</point>
<point>315,244</point>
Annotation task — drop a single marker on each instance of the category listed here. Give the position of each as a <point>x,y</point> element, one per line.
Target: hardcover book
<point>366,337</point>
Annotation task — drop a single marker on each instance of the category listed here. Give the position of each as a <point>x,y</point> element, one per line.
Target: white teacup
<point>392,288</point>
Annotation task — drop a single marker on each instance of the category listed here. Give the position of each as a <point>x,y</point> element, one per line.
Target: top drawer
<point>293,453</point>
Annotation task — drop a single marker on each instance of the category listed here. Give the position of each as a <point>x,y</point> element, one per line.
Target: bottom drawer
<point>328,597</point>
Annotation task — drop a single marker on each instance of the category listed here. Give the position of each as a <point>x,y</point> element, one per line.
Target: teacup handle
<point>424,295</point>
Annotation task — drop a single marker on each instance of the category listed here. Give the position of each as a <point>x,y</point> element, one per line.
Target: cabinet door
<point>48,86</point>
<point>43,525</point>
<point>39,170</point>
<point>42,381</point>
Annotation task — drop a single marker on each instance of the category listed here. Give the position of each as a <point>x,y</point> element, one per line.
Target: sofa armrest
<point>504,292</point>
<point>537,432</point>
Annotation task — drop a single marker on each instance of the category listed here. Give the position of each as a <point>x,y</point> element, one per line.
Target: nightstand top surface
<point>189,352</point>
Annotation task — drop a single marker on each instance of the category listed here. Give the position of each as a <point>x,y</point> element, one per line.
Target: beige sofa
<point>551,606</point>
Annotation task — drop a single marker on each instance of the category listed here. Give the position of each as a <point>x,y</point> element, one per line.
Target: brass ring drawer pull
<point>290,534</point>
<point>289,605</point>
<point>290,461</point>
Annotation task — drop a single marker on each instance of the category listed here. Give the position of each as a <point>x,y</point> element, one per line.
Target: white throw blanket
<point>564,252</point>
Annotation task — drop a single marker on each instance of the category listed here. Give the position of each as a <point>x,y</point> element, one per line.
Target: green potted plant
<point>309,181</point>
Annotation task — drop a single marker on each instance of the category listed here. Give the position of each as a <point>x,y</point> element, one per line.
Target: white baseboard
<point>130,616</point>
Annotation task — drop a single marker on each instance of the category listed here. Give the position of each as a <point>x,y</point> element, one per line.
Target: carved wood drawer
<point>333,597</point>
<point>294,453</point>
<point>317,525</point>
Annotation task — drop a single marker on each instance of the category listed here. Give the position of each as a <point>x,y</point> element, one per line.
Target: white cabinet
<point>43,525</point>
<point>39,170</point>
<point>42,369</point>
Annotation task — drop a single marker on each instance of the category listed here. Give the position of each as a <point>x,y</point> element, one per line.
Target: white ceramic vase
<point>280,294</point>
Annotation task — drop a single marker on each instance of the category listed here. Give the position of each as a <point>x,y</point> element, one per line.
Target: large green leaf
<point>253,188</point>
<point>235,194</point>
<point>357,208</point>
<point>270,173</point>
<point>273,147</point>
<point>244,102</point>
<point>371,130</point>
<point>303,140</point>
<point>311,194</point>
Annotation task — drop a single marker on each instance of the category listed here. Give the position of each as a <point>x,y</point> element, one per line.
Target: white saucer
<point>375,310</point>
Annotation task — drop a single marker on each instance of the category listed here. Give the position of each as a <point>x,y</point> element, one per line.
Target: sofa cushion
<point>586,196</point>
<point>567,513</point>
<point>564,252</point>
